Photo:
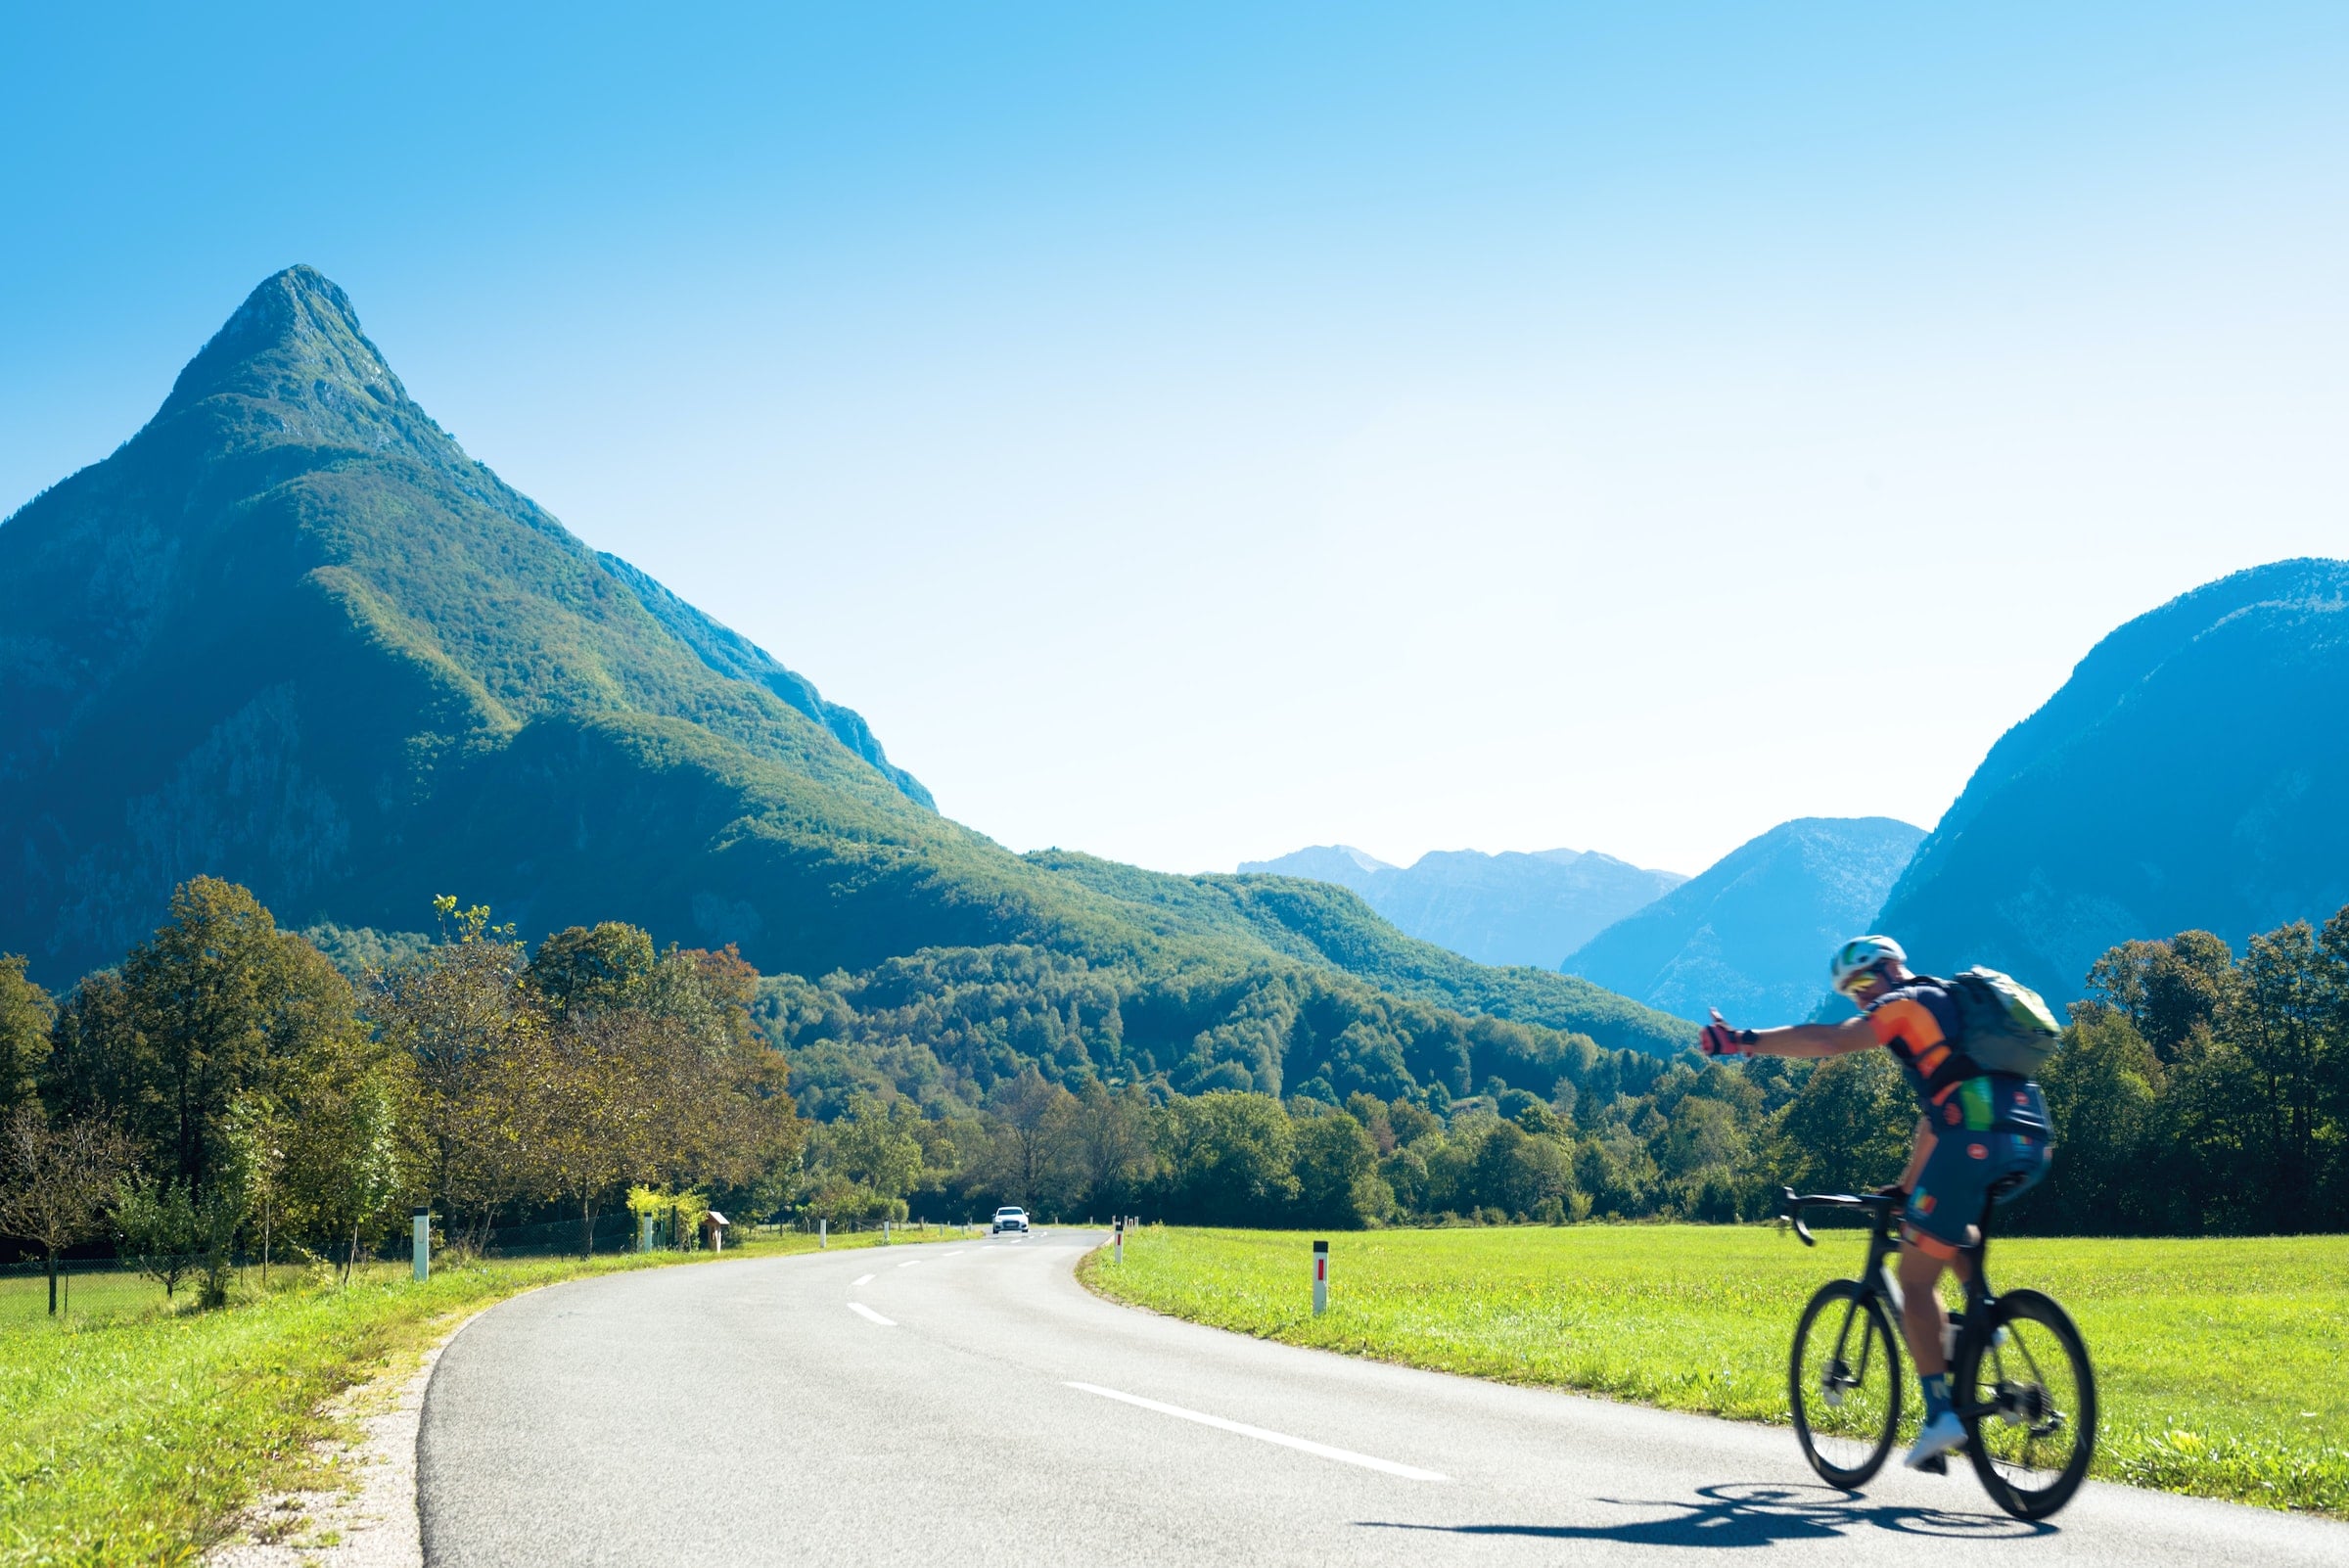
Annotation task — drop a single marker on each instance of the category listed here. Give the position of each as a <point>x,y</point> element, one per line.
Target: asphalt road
<point>971,1404</point>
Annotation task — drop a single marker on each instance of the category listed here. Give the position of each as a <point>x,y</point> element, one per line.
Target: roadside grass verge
<point>135,1436</point>
<point>2218,1361</point>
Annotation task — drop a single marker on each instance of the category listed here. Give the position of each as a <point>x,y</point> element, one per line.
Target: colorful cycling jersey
<point>1920,1026</point>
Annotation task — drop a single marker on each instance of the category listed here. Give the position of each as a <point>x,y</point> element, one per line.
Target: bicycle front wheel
<point>1844,1383</point>
<point>2029,1400</point>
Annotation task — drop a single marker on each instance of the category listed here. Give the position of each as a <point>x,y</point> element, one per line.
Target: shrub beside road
<point>2219,1359</point>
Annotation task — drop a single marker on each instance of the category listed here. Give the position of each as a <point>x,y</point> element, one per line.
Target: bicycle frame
<point>1876,1277</point>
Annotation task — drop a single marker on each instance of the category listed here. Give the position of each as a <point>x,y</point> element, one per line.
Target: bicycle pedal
<point>1939,1465</point>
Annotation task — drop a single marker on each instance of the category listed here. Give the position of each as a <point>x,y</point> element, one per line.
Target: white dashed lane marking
<point>1302,1445</point>
<point>871,1316</point>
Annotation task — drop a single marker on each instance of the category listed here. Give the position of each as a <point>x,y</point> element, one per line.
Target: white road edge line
<point>1303,1445</point>
<point>871,1316</point>
<point>861,1279</point>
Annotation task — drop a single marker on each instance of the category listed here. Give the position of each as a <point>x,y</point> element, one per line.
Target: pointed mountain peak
<point>296,340</point>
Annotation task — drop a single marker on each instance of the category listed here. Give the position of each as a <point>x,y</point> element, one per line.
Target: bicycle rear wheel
<point>1844,1383</point>
<point>2031,1398</point>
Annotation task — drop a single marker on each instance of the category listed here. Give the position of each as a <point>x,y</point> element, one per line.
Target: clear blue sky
<point>1188,433</point>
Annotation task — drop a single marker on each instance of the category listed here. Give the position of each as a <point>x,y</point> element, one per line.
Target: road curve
<point>972,1404</point>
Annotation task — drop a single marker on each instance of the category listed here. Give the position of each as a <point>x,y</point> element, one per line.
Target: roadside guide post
<point>644,1232</point>
<point>1120,1255</point>
<point>423,1245</point>
<point>823,1232</point>
<point>1321,1278</point>
<point>884,1232</point>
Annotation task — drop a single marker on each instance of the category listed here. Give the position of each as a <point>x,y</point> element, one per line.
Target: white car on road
<point>1009,1219</point>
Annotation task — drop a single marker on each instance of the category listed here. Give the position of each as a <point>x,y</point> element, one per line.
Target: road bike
<point>2019,1377</point>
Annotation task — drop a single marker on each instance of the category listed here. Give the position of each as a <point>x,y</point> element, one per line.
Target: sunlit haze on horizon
<point>1190,434</point>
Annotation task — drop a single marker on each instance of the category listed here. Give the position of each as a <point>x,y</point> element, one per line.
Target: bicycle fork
<point>1841,1374</point>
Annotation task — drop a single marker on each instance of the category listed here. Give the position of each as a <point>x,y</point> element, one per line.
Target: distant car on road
<point>1009,1219</point>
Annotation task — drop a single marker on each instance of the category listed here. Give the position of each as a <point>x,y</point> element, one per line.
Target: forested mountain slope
<point>1319,923</point>
<point>2193,773</point>
<point>291,629</point>
<point>1515,907</point>
<point>730,652</point>
<point>1752,933</point>
<point>291,635</point>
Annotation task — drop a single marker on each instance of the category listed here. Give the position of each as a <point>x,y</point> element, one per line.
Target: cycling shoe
<point>1939,1435</point>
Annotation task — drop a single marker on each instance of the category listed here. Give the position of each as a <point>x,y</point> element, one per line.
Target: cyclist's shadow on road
<point>1757,1514</point>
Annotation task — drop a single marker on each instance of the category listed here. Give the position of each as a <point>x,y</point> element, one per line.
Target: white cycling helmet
<point>1859,956</point>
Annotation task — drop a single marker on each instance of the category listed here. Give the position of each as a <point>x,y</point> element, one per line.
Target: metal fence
<point>616,1231</point>
<point>612,1232</point>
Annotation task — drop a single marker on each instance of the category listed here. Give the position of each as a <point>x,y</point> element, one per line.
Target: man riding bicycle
<point>1981,1135</point>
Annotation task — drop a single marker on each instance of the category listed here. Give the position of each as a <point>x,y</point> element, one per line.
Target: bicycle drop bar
<point>1792,1203</point>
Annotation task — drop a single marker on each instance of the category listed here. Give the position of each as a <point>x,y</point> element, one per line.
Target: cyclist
<point>1979,1134</point>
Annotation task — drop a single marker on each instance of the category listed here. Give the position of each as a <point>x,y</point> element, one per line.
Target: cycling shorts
<point>1958,1178</point>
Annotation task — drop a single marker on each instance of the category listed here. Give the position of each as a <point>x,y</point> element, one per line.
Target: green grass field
<point>132,1433</point>
<point>25,1297</point>
<point>2219,1361</point>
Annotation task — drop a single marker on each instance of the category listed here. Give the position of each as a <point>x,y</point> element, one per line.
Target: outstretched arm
<point>1796,1040</point>
<point>1815,1039</point>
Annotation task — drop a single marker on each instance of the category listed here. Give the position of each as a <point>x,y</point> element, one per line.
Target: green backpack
<point>2006,1028</point>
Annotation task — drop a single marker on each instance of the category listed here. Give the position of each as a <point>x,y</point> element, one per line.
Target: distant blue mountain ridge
<point>1752,934</point>
<point>1515,907</point>
<point>2191,774</point>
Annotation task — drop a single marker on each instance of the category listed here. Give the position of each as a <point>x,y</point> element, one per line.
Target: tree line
<point>2194,1092</point>
<point>2203,1092</point>
<point>1690,1146</point>
<point>946,1026</point>
<point>227,1089</point>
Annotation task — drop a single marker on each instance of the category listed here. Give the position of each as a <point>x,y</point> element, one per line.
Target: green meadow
<point>134,1430</point>
<point>2218,1361</point>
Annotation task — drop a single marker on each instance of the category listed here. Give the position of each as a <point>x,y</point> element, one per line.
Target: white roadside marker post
<point>1120,1255</point>
<point>423,1245</point>
<point>644,1232</point>
<point>884,1232</point>
<point>823,1233</point>
<point>1321,1278</point>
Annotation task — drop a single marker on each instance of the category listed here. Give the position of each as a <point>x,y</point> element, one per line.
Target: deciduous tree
<point>56,1179</point>
<point>455,1011</point>
<point>218,1004</point>
<point>27,1016</point>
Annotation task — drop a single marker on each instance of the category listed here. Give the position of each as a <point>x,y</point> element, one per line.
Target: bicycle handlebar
<point>1792,1203</point>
